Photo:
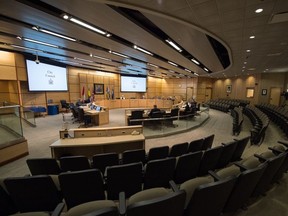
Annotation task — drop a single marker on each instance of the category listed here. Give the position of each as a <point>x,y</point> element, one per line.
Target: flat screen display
<point>46,77</point>
<point>133,84</point>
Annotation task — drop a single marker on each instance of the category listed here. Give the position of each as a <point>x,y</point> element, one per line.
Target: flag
<point>83,92</point>
<point>89,93</point>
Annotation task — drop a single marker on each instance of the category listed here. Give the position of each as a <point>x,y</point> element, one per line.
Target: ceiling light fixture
<point>80,59</point>
<point>252,37</point>
<point>26,48</point>
<point>172,63</point>
<point>152,65</point>
<point>196,74</point>
<point>40,42</point>
<point>206,69</point>
<point>85,25</point>
<point>259,10</point>
<point>118,54</point>
<point>195,61</point>
<point>248,50</point>
<point>99,57</point>
<point>53,33</point>
<point>108,35</point>
<point>173,45</point>
<point>188,70</point>
<point>142,50</point>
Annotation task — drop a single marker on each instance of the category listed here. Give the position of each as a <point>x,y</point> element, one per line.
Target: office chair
<point>65,105</point>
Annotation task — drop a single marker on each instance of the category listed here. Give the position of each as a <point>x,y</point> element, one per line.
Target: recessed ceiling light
<point>259,10</point>
<point>252,37</point>
<point>248,50</point>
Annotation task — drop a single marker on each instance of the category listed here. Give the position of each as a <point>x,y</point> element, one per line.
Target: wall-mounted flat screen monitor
<point>133,84</point>
<point>46,77</point>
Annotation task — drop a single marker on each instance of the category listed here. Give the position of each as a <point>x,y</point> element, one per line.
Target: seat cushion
<point>268,154</point>
<point>147,195</point>
<point>229,171</point>
<point>190,186</point>
<point>251,162</point>
<point>88,207</point>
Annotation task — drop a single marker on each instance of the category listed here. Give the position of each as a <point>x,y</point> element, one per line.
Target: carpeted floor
<point>219,123</point>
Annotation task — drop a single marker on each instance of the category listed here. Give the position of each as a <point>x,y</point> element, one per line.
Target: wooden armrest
<point>262,159</point>
<point>57,211</point>
<point>122,204</point>
<point>173,186</point>
<point>241,166</point>
<point>285,143</point>
<point>275,150</point>
<point>214,175</point>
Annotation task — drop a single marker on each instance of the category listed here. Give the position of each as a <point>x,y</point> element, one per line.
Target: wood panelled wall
<point>14,86</point>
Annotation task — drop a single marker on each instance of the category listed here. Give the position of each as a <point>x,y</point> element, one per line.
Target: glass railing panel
<point>10,123</point>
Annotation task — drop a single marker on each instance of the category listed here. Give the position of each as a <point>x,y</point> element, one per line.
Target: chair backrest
<point>171,204</point>
<point>80,115</point>
<point>196,145</point>
<point>174,112</point>
<point>75,112</point>
<point>187,166</point>
<point>43,166</point>
<point>64,104</point>
<point>158,153</point>
<point>33,193</point>
<point>241,145</point>
<point>178,149</point>
<point>243,188</point>
<point>101,161</point>
<point>227,154</point>
<point>132,156</point>
<point>158,114</point>
<point>208,141</point>
<point>137,114</point>
<point>209,160</point>
<point>74,163</point>
<point>127,178</point>
<point>7,205</point>
<point>158,173</point>
<point>282,169</point>
<point>209,199</point>
<point>273,165</point>
<point>81,186</point>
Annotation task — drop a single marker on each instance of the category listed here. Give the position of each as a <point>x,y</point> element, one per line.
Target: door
<point>208,94</point>
<point>275,94</point>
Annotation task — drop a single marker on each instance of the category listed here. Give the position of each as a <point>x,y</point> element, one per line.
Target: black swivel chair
<point>65,105</point>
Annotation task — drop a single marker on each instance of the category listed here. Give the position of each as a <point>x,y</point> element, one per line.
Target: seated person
<point>79,102</point>
<point>155,109</point>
